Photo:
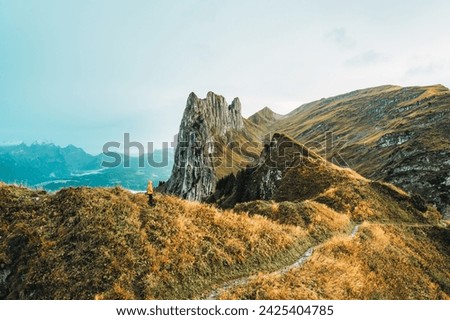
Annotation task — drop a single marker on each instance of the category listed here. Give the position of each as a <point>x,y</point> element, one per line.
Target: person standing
<point>151,201</point>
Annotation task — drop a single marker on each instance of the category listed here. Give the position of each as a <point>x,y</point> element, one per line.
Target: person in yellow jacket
<point>151,201</point>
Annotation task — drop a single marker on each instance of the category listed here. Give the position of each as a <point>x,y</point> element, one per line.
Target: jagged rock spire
<point>193,175</point>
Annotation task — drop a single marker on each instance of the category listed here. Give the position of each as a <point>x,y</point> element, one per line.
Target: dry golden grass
<point>376,201</point>
<point>381,262</point>
<point>317,219</point>
<point>108,244</point>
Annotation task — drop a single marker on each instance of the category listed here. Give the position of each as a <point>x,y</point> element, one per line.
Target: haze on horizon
<point>86,72</point>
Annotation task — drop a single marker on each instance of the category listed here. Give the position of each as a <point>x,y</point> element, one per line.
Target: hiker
<point>151,201</point>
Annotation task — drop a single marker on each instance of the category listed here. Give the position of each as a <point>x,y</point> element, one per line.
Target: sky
<point>85,72</point>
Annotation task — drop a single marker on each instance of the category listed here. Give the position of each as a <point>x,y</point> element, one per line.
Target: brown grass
<point>317,219</point>
<point>381,262</point>
<point>108,244</point>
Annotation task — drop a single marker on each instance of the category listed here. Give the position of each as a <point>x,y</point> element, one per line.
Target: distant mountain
<point>265,118</point>
<point>52,167</point>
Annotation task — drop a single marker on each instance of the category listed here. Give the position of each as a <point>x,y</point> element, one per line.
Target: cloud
<point>341,38</point>
<point>423,70</point>
<point>10,143</point>
<point>366,58</point>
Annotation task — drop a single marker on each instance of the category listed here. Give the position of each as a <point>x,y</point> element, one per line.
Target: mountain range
<point>51,167</point>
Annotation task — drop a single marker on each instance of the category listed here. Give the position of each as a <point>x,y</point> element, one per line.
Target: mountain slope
<point>264,118</point>
<point>87,243</point>
<point>40,162</point>
<point>400,135</point>
<point>289,172</point>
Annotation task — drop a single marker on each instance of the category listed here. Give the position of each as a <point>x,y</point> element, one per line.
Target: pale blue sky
<point>84,72</point>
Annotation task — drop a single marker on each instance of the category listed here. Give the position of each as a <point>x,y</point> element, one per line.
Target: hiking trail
<point>298,263</point>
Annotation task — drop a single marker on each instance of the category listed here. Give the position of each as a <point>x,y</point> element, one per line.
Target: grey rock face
<point>207,125</point>
<point>3,275</point>
<point>424,173</point>
<point>394,139</point>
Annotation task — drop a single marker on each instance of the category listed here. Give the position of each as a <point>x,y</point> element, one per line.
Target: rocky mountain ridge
<point>396,134</point>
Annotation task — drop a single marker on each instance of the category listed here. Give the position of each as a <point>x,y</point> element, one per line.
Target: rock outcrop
<point>207,129</point>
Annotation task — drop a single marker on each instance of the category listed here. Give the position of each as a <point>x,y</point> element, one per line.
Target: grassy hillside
<point>84,243</point>
<point>107,243</point>
<point>381,262</point>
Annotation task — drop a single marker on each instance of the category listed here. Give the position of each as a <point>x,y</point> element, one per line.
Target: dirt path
<point>299,262</point>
